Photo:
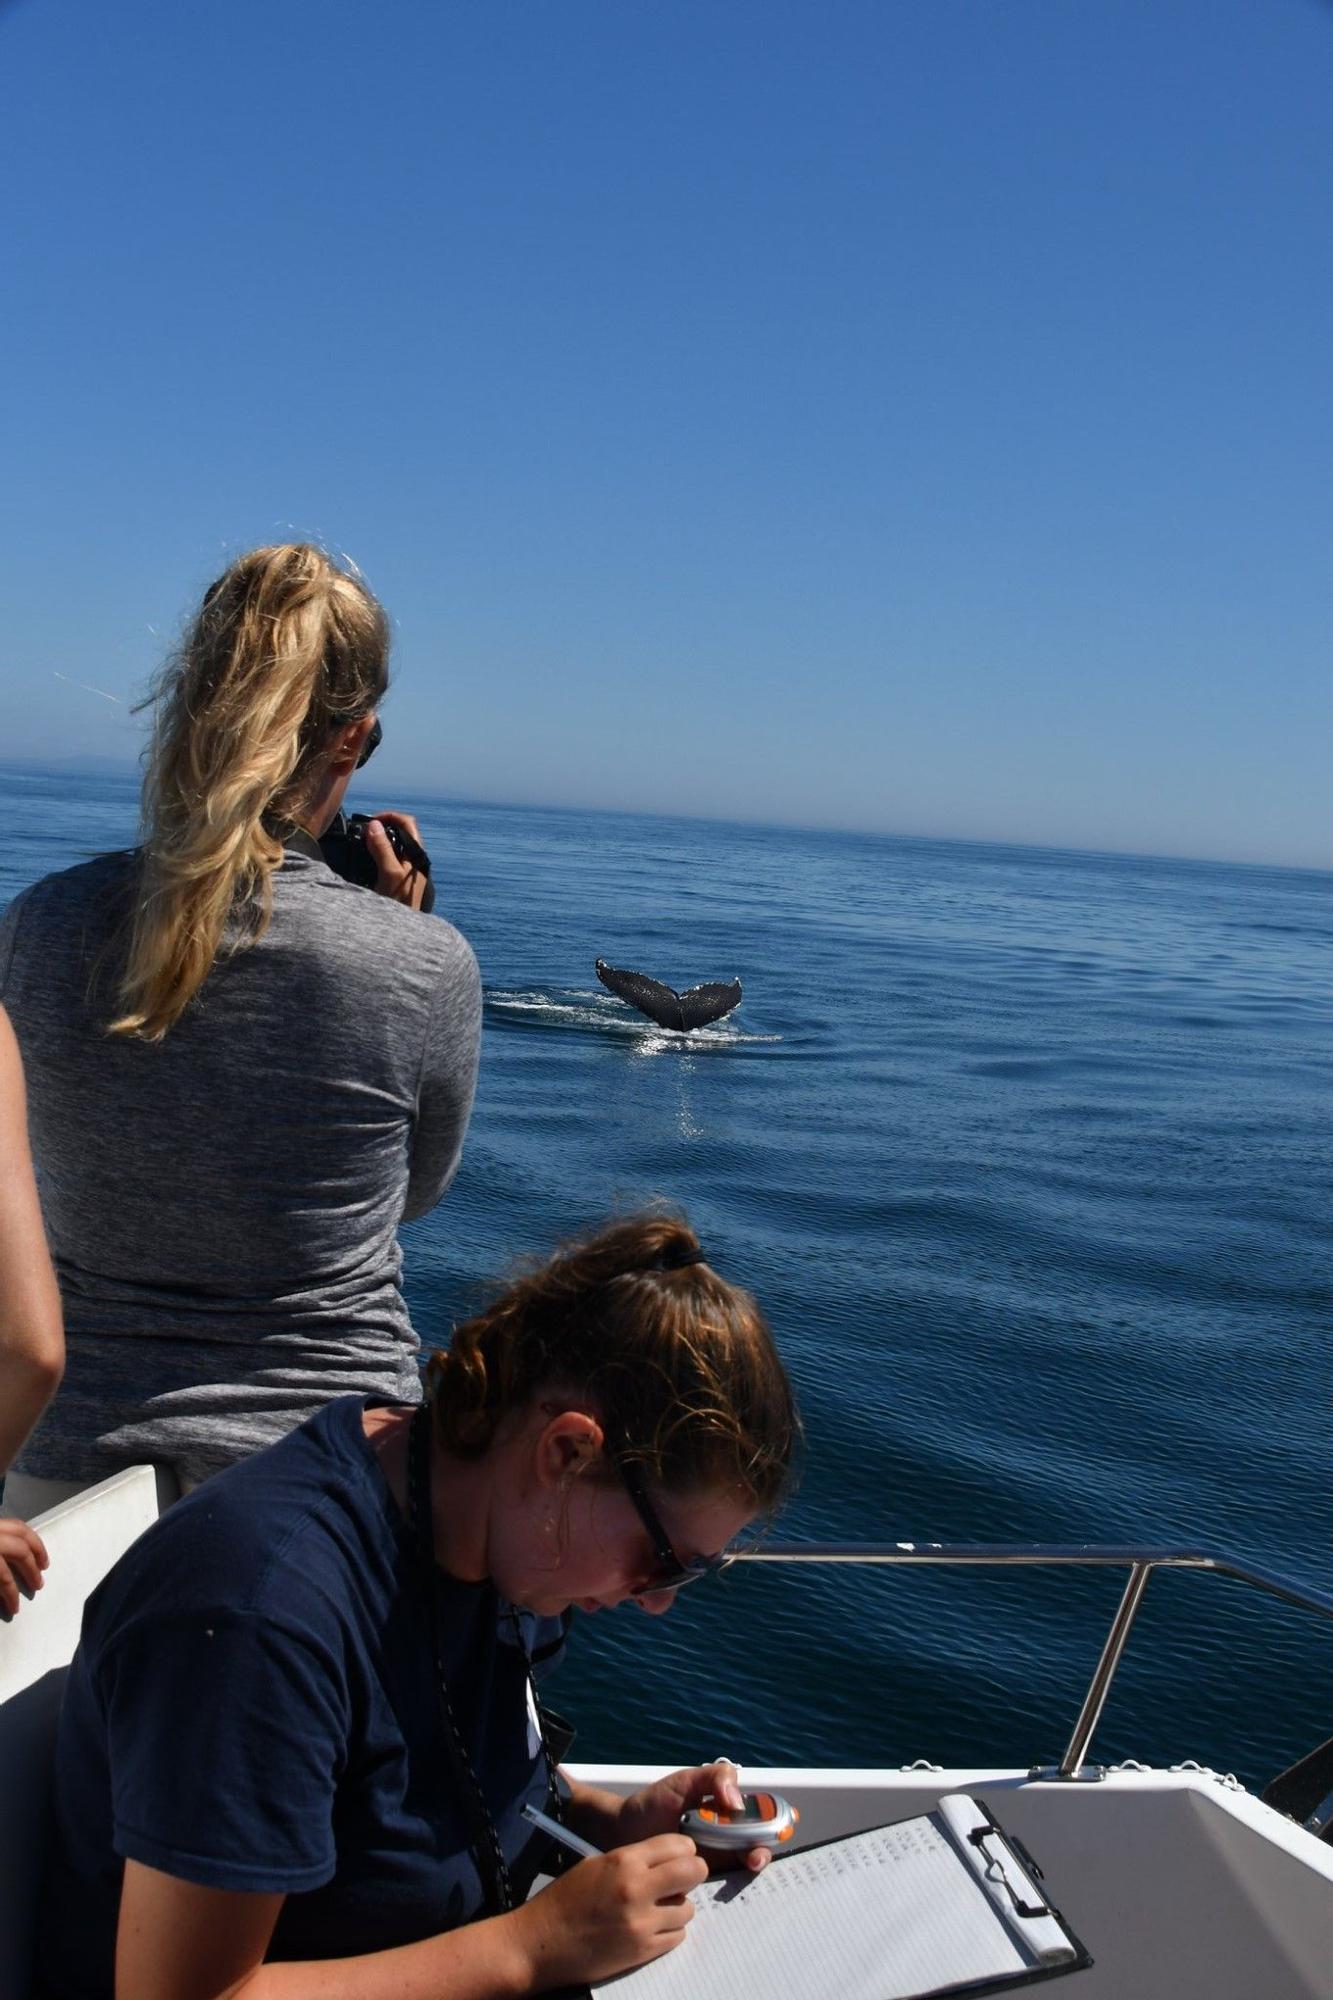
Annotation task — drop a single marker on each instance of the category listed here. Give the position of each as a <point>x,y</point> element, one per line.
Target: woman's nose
<point>655,1602</point>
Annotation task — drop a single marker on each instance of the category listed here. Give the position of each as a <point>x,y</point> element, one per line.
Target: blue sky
<point>900,414</point>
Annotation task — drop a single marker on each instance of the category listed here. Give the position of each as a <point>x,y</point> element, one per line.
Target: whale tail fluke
<point>709,1002</point>
<point>694,1008</point>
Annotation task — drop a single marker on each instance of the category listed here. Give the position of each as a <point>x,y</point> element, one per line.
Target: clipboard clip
<point>996,1873</point>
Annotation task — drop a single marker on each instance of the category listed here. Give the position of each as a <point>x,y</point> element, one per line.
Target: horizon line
<point>95,765</point>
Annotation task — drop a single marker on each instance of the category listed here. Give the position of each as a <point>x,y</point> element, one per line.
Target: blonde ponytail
<point>285,648</point>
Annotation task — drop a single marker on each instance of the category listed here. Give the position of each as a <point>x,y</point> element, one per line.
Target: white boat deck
<point>1180,1884</point>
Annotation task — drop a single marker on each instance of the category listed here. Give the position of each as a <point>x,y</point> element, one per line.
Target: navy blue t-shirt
<point>253,1706</point>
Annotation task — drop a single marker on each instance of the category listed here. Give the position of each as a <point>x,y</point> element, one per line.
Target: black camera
<point>344,848</point>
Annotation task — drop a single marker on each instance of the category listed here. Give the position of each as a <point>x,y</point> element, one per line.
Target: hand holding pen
<point>613,1911</point>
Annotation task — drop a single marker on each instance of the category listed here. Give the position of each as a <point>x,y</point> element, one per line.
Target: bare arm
<point>177,1941</point>
<point>32,1341</point>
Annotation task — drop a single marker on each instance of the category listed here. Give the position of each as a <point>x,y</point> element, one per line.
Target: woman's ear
<point>566,1444</point>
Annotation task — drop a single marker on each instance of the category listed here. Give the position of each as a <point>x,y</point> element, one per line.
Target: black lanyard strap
<point>484,1838</point>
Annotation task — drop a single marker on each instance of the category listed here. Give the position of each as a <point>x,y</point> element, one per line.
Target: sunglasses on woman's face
<point>671,1573</point>
<point>371,744</point>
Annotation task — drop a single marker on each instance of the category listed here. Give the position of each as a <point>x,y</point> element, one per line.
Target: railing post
<point>1094,1701</point>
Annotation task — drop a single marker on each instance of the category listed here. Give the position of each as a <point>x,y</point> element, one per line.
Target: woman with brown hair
<point>243,1071</point>
<point>300,1730</point>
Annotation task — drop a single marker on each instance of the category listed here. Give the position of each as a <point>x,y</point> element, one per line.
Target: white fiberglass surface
<point>84,1537</point>
<point>1180,1887</point>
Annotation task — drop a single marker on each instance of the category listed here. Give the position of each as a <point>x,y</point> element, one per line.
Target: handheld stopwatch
<point>765,1820</point>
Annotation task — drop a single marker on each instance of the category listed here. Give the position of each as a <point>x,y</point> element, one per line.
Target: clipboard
<point>1011,1877</point>
<point>942,1904</point>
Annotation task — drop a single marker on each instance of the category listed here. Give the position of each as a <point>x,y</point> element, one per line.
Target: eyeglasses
<point>671,1573</point>
<point>371,744</point>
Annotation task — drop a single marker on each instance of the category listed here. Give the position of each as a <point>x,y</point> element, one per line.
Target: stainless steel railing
<point>1075,1555</point>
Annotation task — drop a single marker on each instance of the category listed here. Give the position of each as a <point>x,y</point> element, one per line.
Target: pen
<point>573,1841</point>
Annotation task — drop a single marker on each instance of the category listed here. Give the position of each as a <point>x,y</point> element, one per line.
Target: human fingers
<point>391,869</point>
<point>693,1786</point>
<point>12,1590</point>
<point>723,1782</point>
<point>22,1548</point>
<point>674,1865</point>
<point>397,879</point>
<point>21,1534</point>
<point>757,1858</point>
<point>658,1807</point>
<point>406,822</point>
<point>601,1918</point>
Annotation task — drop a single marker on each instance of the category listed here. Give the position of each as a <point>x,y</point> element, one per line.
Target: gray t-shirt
<point>222,1205</point>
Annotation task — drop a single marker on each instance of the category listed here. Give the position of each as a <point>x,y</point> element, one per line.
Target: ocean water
<point>1027,1155</point>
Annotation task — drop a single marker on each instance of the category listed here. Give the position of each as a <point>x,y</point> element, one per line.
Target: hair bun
<point>677,1256</point>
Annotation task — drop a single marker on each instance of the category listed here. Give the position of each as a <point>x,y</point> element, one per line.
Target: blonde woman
<point>243,1071</point>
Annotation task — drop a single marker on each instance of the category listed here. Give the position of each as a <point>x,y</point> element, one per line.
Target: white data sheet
<point>887,1915</point>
